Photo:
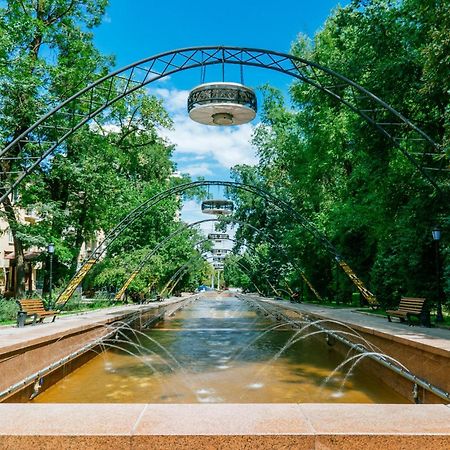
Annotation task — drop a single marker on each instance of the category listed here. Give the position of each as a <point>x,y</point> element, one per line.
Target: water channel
<point>212,355</point>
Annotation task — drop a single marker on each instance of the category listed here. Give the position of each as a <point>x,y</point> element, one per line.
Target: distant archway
<point>131,217</point>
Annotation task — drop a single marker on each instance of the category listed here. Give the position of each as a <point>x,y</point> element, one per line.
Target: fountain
<point>221,351</point>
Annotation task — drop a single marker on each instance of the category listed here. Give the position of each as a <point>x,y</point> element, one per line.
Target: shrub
<point>8,310</point>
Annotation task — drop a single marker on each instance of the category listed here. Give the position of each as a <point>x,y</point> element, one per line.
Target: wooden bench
<point>33,308</point>
<point>410,306</point>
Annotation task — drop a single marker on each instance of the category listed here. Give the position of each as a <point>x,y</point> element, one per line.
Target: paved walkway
<point>436,339</point>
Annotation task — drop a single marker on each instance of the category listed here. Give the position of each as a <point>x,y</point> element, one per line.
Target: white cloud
<point>228,146</point>
<point>197,170</point>
<point>105,129</point>
<point>174,100</point>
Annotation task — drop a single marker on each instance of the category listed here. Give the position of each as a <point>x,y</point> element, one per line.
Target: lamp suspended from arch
<point>217,207</point>
<point>218,236</point>
<point>220,251</point>
<point>222,104</point>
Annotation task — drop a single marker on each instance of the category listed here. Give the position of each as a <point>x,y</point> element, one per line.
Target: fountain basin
<point>27,351</point>
<point>426,356</point>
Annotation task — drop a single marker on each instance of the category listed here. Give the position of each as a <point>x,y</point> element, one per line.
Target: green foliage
<point>347,179</point>
<point>105,169</point>
<point>8,310</point>
<point>77,304</point>
<point>157,272</point>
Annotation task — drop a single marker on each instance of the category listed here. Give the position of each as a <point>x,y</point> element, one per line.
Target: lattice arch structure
<point>136,213</point>
<point>229,220</point>
<point>32,148</point>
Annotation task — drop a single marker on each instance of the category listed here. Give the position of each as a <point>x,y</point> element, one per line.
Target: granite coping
<point>14,339</point>
<point>435,341</point>
<point>107,419</point>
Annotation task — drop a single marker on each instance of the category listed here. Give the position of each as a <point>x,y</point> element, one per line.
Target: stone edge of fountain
<point>330,426</point>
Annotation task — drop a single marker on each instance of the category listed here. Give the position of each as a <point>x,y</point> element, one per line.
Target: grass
<point>376,312</point>
<point>333,305</point>
<point>77,305</point>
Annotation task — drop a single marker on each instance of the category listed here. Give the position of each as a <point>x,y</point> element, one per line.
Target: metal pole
<point>51,250</point>
<point>439,315</point>
<point>50,281</point>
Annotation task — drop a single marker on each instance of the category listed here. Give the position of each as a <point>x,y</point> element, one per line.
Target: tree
<point>46,54</point>
<point>350,181</point>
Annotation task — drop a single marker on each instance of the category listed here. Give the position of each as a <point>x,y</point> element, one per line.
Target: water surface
<point>212,356</point>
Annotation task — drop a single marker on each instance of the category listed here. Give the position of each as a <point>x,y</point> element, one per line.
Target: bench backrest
<point>31,305</point>
<point>411,304</point>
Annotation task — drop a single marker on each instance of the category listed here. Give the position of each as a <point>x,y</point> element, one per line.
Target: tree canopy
<point>349,180</point>
<point>102,171</point>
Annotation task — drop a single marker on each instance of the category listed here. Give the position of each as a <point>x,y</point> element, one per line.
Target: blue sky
<point>136,29</point>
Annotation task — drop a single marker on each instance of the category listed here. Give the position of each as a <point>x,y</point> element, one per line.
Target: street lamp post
<point>436,232</point>
<point>51,251</point>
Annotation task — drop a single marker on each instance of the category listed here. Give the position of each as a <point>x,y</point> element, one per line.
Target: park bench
<point>410,306</point>
<point>33,308</point>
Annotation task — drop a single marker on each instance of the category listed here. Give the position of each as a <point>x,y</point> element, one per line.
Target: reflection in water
<point>210,340</point>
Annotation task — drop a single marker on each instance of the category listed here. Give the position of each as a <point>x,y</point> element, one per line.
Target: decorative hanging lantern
<point>217,207</point>
<point>222,104</point>
<point>218,236</point>
<point>220,251</point>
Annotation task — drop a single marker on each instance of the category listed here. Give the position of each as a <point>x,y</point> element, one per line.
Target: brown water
<point>210,362</point>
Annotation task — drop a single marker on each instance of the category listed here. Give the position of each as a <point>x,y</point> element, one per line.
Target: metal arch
<point>254,249</point>
<point>47,133</point>
<point>179,271</point>
<point>245,269</point>
<point>275,244</point>
<point>184,227</point>
<point>152,201</point>
<point>162,244</point>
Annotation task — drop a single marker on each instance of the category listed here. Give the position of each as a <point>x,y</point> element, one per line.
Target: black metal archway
<point>26,152</point>
<point>131,217</point>
<point>182,270</point>
<point>186,227</point>
<point>177,276</point>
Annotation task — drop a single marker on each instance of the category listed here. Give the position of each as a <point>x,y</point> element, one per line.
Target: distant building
<point>8,273</point>
<point>33,267</point>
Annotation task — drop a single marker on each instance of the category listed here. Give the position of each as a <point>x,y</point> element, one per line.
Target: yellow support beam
<point>122,290</point>
<point>70,288</point>
<point>371,299</point>
<point>311,287</point>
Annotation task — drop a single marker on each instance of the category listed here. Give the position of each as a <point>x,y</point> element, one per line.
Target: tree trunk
<point>18,247</point>
<point>79,239</point>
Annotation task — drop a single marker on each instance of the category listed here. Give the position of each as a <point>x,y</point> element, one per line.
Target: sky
<point>133,30</point>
